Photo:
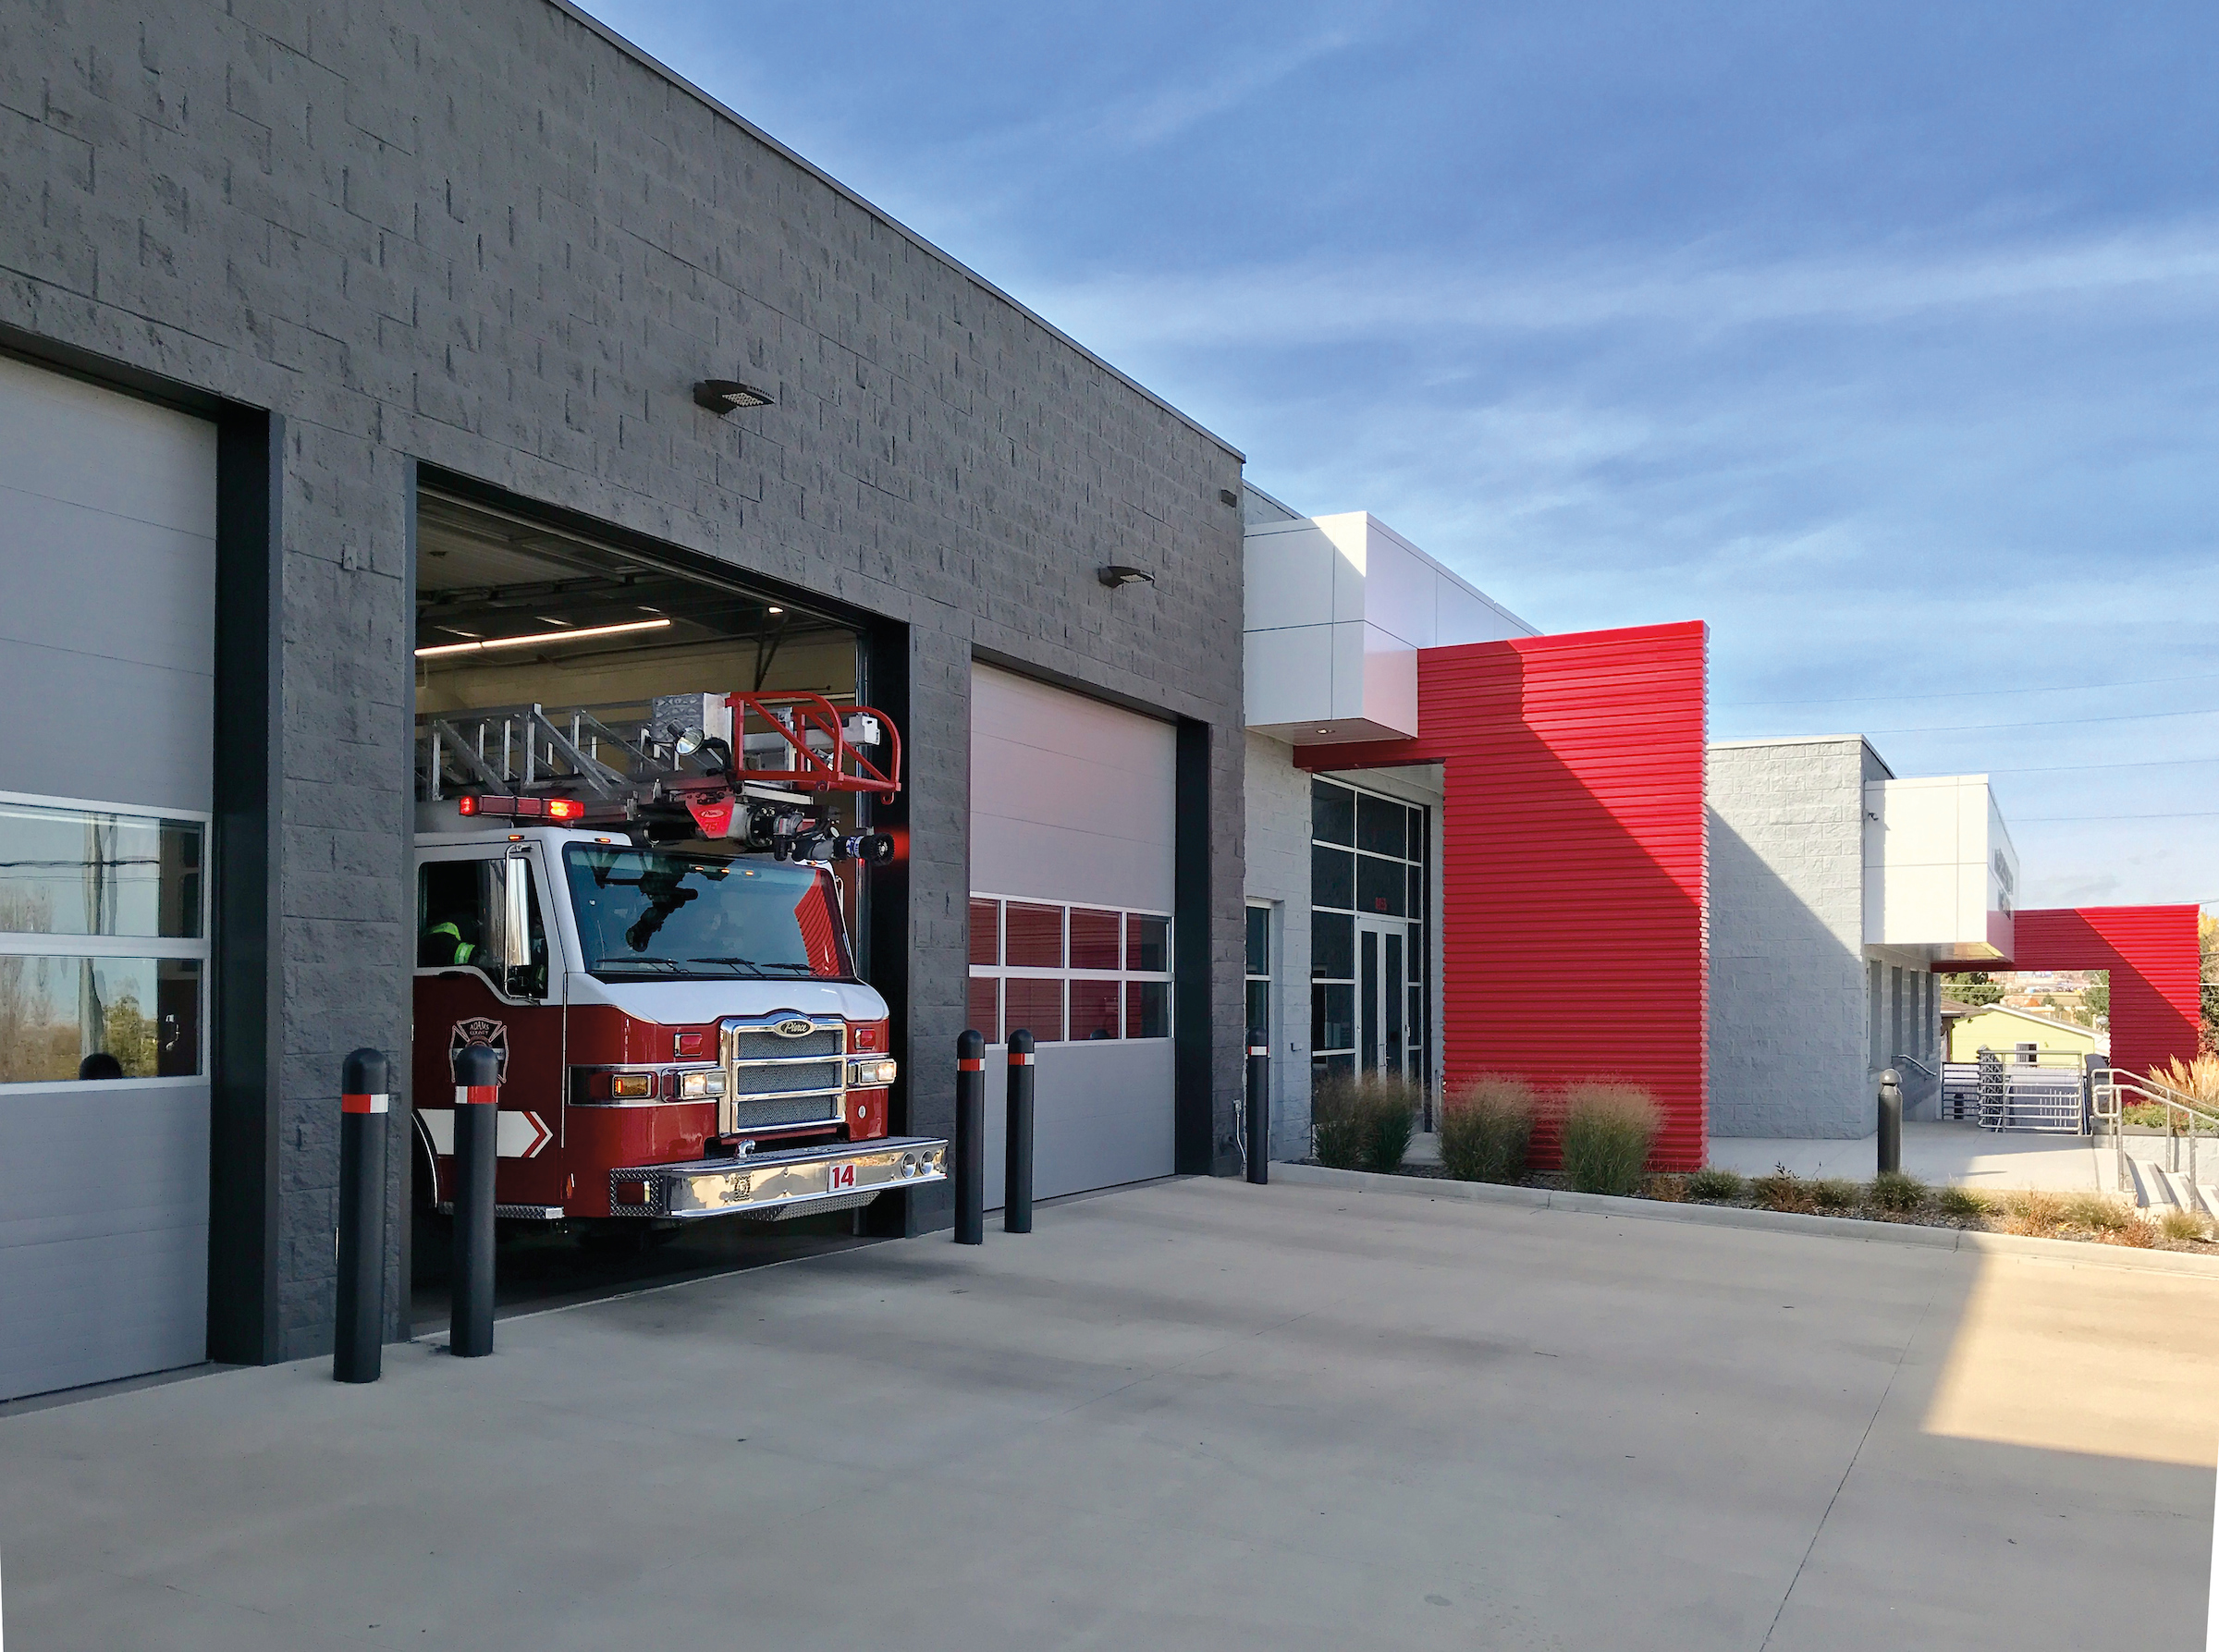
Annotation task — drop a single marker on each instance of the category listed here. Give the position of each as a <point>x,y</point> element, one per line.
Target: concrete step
<point>2149,1191</point>
<point>2175,1187</point>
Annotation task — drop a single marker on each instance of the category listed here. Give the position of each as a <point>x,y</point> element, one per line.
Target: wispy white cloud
<point>1328,299</point>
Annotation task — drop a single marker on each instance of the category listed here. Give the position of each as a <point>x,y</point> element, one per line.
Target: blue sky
<point>1880,336</point>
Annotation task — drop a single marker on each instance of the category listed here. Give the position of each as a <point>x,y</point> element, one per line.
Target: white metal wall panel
<point>1074,801</point>
<point>107,556</point>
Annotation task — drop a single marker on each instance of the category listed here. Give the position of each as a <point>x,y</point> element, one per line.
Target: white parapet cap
<point>1941,873</point>
<point>1337,608</point>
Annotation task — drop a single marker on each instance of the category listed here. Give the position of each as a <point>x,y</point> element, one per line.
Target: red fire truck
<point>648,923</point>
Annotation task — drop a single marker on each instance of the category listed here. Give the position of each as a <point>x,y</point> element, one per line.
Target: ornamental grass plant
<point>1607,1129</point>
<point>1363,1121</point>
<point>1485,1128</point>
<point>1711,1185</point>
<point>1896,1192</point>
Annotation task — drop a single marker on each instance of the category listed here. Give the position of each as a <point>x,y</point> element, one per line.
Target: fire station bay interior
<point>610,632</point>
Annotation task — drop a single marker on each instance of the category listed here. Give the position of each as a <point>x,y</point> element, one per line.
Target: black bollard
<point>970,1138</point>
<point>358,1349</point>
<point>1259,1110</point>
<point>1891,1120</point>
<point>477,1155</point>
<point>1017,1172</point>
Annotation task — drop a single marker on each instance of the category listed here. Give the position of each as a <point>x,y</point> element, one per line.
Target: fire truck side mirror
<point>516,904</point>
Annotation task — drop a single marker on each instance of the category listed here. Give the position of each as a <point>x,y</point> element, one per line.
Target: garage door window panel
<point>1076,974</point>
<point>103,948</point>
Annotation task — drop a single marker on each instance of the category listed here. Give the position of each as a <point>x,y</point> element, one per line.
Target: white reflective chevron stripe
<point>518,1134</point>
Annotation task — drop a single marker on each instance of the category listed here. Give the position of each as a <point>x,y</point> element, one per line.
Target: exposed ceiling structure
<point>482,575</point>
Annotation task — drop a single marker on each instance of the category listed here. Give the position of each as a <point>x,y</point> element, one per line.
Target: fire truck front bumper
<point>769,1186</point>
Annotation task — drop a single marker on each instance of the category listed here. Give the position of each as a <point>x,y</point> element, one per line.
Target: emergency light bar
<point>523,808</point>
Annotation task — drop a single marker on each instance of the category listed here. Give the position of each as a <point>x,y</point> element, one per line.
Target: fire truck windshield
<point>674,915</point>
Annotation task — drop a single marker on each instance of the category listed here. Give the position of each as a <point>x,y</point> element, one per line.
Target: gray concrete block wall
<point>1788,1011</point>
<point>1278,839</point>
<point>488,240</point>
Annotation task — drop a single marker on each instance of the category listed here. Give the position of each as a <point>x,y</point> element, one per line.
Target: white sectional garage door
<point>107,557</point>
<point>1073,807</point>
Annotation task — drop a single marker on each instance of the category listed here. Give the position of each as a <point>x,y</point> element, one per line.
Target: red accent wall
<point>2155,963</point>
<point>1574,875</point>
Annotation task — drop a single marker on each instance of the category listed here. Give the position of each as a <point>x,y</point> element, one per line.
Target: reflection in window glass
<point>1148,1008</point>
<point>1259,940</point>
<point>1034,1006</point>
<point>64,1018</point>
<point>1093,1009</point>
<point>986,932</point>
<point>1093,943</point>
<point>984,1010</point>
<point>68,872</point>
<point>1034,936</point>
<point>1148,944</point>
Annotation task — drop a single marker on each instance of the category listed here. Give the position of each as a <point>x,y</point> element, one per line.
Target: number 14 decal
<point>844,1176</point>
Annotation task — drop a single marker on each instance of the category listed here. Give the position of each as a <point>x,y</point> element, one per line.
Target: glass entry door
<point>1382,995</point>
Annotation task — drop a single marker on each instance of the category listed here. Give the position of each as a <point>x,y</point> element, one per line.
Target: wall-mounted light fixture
<point>722,395</point>
<point>1226,496</point>
<point>1120,573</point>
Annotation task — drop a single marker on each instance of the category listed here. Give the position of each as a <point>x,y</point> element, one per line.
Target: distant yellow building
<point>1968,1027</point>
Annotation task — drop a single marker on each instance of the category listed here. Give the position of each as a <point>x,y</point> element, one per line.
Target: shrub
<point>1666,1189</point>
<point>1958,1201</point>
<point>1607,1130</point>
<point>1485,1129</point>
<point>1362,1121</point>
<point>1783,1190</point>
<point>1891,1190</point>
<point>2185,1224</point>
<point>1834,1194</point>
<point>1715,1186</point>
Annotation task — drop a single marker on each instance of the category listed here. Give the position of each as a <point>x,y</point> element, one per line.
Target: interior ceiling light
<point>774,610</point>
<point>569,636</point>
<point>725,395</point>
<point>1120,573</point>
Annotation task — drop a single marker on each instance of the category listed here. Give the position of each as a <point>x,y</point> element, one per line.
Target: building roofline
<point>649,61</point>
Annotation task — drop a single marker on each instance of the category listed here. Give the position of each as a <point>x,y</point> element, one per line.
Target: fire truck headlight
<point>870,1075</point>
<point>704,1082</point>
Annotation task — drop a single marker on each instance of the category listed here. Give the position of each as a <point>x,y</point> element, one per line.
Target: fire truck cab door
<point>488,970</point>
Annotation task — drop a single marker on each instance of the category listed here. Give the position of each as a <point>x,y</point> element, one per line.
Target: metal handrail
<point>2108,1092</point>
<point>1915,1062</point>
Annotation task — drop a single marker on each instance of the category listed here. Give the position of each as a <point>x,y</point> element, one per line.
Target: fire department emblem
<point>482,1030</point>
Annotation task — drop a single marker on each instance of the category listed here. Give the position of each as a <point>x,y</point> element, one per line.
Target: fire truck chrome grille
<point>806,1109</point>
<point>753,1044</point>
<point>800,1079</point>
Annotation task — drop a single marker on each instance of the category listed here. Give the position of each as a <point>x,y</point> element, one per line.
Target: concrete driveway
<point>1188,1415</point>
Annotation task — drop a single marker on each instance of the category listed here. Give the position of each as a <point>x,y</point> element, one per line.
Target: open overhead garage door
<point>1072,837</point>
<point>107,554</point>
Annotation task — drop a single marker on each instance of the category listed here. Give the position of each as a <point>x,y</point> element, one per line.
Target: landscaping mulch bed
<point>2093,1219</point>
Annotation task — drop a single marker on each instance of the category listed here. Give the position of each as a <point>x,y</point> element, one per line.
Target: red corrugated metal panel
<point>2155,963</point>
<point>1574,877</point>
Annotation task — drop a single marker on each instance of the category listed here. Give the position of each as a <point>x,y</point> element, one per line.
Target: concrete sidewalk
<point>1190,1414</point>
<point>1963,1154</point>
